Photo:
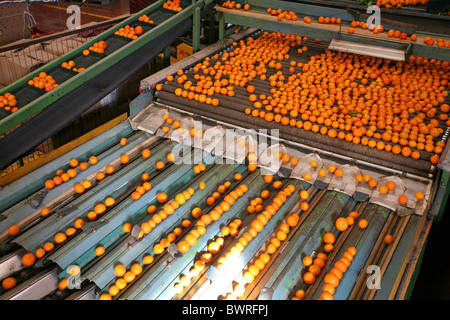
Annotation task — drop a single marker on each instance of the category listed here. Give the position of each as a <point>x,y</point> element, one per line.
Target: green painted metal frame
<point>236,18</point>
<point>46,99</point>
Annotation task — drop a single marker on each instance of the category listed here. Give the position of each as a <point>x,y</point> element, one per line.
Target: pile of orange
<point>390,106</point>
<point>174,5</point>
<point>332,278</point>
<point>124,277</point>
<point>98,47</point>
<point>233,5</point>
<point>145,18</point>
<point>232,228</point>
<point>256,226</point>
<point>214,215</point>
<point>314,266</point>
<point>143,188</point>
<point>342,223</point>
<point>59,238</point>
<point>363,25</point>
<point>281,234</point>
<point>328,20</point>
<point>167,208</point>
<point>71,66</point>
<point>8,102</point>
<point>283,14</point>
<point>216,195</point>
<point>170,122</point>
<point>43,81</point>
<point>129,32</point>
<point>374,114</point>
<point>388,4</point>
<point>439,42</point>
<point>61,176</point>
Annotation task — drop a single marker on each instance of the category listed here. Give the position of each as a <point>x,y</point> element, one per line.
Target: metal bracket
<point>136,231</point>
<point>172,250</point>
<point>320,185</point>
<point>266,293</point>
<point>404,211</point>
<point>360,197</point>
<point>93,226</point>
<point>62,212</point>
<point>35,200</point>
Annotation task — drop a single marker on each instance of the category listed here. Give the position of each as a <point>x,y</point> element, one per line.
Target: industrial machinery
<point>209,191</point>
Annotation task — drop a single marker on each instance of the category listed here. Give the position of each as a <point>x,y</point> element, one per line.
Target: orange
<point>127,227</point>
<point>329,238</point>
<point>268,178</point>
<point>40,253</point>
<point>129,276</point>
<point>162,197</point>
<point>78,188</point>
<point>403,199</point>
<point>9,283</point>
<point>60,237</point>
<point>100,208</point>
<point>328,247</point>
<point>120,284</point>
<point>73,163</point>
<point>341,224</point>
<point>28,259</point>
<point>292,221</point>
<point>383,189</point>
<point>319,262</point>
<point>309,278</point>
<point>119,270</point>
<point>304,206</point>
<point>373,183</point>
<point>93,160</point>
<point>338,172</point>
<point>183,246</point>
<point>13,230</point>
<point>363,223</point>
<point>328,288</point>
<point>304,194</point>
<point>340,266</point>
<point>99,251</point>
<point>281,235</point>
<point>79,223</point>
<point>159,165</point>
<point>326,296</point>
<point>353,214</point>
<point>136,269</point>
<point>419,195</point>
<point>391,185</point>
<point>146,153</point>
<point>352,250</point>
<point>124,158</point>
<point>388,239</point>
<point>105,296</point>
<point>49,184</point>
<point>248,277</point>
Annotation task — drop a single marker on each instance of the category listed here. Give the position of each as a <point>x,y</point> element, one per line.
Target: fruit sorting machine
<point>224,214</point>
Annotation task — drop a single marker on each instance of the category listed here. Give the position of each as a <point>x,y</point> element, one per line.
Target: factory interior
<point>224,150</point>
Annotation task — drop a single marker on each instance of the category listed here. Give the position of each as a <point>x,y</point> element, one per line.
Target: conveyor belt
<point>231,110</point>
<point>67,105</point>
<point>281,277</point>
